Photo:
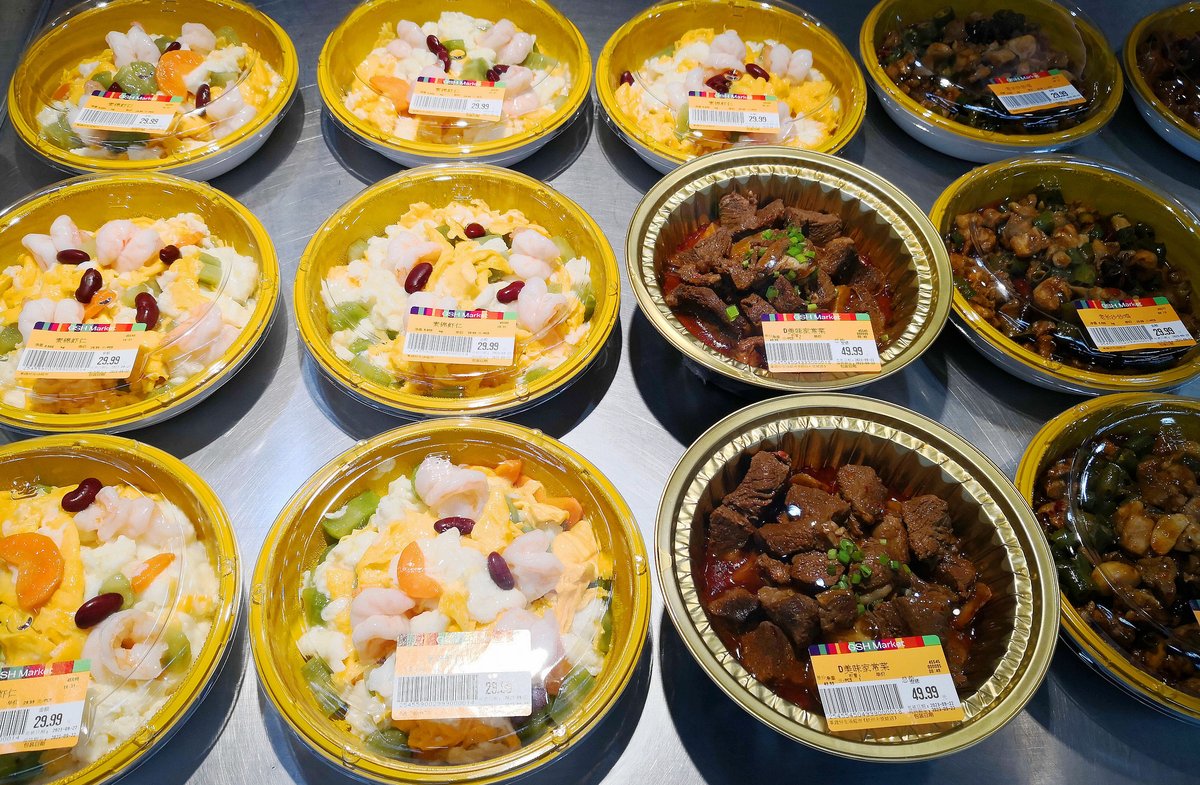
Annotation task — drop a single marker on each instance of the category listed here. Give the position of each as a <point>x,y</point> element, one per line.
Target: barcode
<point>12,724</point>
<point>438,103</point>
<point>861,700</point>
<point>57,360</point>
<point>798,353</point>
<point>448,689</point>
<point>102,117</point>
<point>442,345</point>
<point>717,117</point>
<point>1121,335</point>
<point>1040,98</point>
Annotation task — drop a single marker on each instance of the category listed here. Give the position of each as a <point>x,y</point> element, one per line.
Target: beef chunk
<point>740,276</point>
<point>815,570</point>
<point>927,521</point>
<point>765,478</point>
<point>891,535</point>
<point>787,537</point>
<point>1160,574</point>
<point>738,213</point>
<point>755,308</point>
<point>812,505</point>
<point>794,612</point>
<point>751,351</point>
<point>861,486</point>
<point>956,572</point>
<point>868,278</point>
<point>735,604</point>
<point>820,228</point>
<point>884,621</point>
<point>876,559</point>
<point>690,274</point>
<point>773,570</point>
<point>707,304</point>
<point>862,300</point>
<point>838,610</point>
<point>770,215</point>
<point>838,259</point>
<point>706,252</point>
<point>825,295</point>
<point>927,612</point>
<point>728,529</point>
<point>767,653</point>
<point>787,298</point>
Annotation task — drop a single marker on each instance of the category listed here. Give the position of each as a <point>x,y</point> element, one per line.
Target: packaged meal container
<point>127,299</point>
<point>983,81</point>
<point>119,595</point>
<point>130,86</point>
<point>424,82</point>
<point>456,600</point>
<point>686,78</point>
<point>455,289</point>
<point>1161,68</point>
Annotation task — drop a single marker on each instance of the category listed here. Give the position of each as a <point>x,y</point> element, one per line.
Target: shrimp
<point>194,334</point>
<point>535,569</point>
<point>121,244</point>
<point>517,80</point>
<point>728,43</point>
<point>529,266</point>
<point>799,64</point>
<point>516,50</point>
<point>405,249</point>
<point>243,115</point>
<point>34,311</point>
<point>546,644</point>
<point>144,48</point>
<point>375,636</point>
<point>411,33</point>
<point>378,602</point>
<point>197,37</point>
<point>68,311</point>
<point>429,621</point>
<point>66,234</point>
<point>42,248</point>
<point>112,515</point>
<point>693,80</point>
<point>451,490</point>
<point>399,48</point>
<point>676,96</point>
<point>535,244</point>
<point>722,61</point>
<point>121,48</point>
<point>536,307</point>
<point>521,105</point>
<point>777,59</point>
<point>226,105</point>
<point>123,647</point>
<point>498,35</point>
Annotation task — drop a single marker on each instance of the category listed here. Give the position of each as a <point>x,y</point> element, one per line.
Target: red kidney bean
<point>173,46</point>
<point>169,254</point>
<point>511,292</point>
<point>82,497</point>
<point>72,256</point>
<point>464,525</point>
<point>97,609</point>
<point>115,87</point>
<point>444,58</point>
<point>720,82</point>
<point>757,71</point>
<point>499,68</point>
<point>89,284</point>
<point>627,78</point>
<point>433,43</point>
<point>147,310</point>
<point>203,96</point>
<point>498,569</point>
<point>474,231</point>
<point>418,277</point>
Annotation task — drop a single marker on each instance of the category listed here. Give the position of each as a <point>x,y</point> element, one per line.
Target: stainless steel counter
<point>259,437</point>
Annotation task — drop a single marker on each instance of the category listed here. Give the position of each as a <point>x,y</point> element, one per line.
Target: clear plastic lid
<point>1003,67</point>
<point>457,613</point>
<point>102,603</point>
<point>1132,495</point>
<point>1168,55</point>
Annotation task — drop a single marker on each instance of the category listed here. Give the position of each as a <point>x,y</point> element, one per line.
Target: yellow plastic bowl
<point>1184,20</point>
<point>352,40</point>
<point>79,34</point>
<point>93,199</point>
<point>65,460</point>
<point>296,541</point>
<point>1109,190</point>
<point>1066,432</point>
<point>1064,25</point>
<point>661,25</point>
<point>382,204</point>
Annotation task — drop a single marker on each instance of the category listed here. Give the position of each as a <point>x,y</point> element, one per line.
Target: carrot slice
<point>570,504</point>
<point>411,577</point>
<point>173,66</point>
<point>393,89</point>
<point>100,300</point>
<point>510,470</point>
<point>62,92</point>
<point>149,570</point>
<point>39,566</point>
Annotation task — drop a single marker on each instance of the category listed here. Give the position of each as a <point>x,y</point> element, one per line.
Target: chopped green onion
<point>732,313</point>
<point>346,315</point>
<point>354,514</point>
<point>371,372</point>
<point>210,271</point>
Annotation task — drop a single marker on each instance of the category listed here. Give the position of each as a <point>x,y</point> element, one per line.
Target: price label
<point>41,706</point>
<point>811,342</point>
<point>454,675</point>
<point>154,114</point>
<point>886,683</point>
<point>463,337</point>
<point>1036,91</point>
<point>1123,325</point>
<point>732,112</point>
<point>80,351</point>
<point>1195,606</point>
<point>457,98</point>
